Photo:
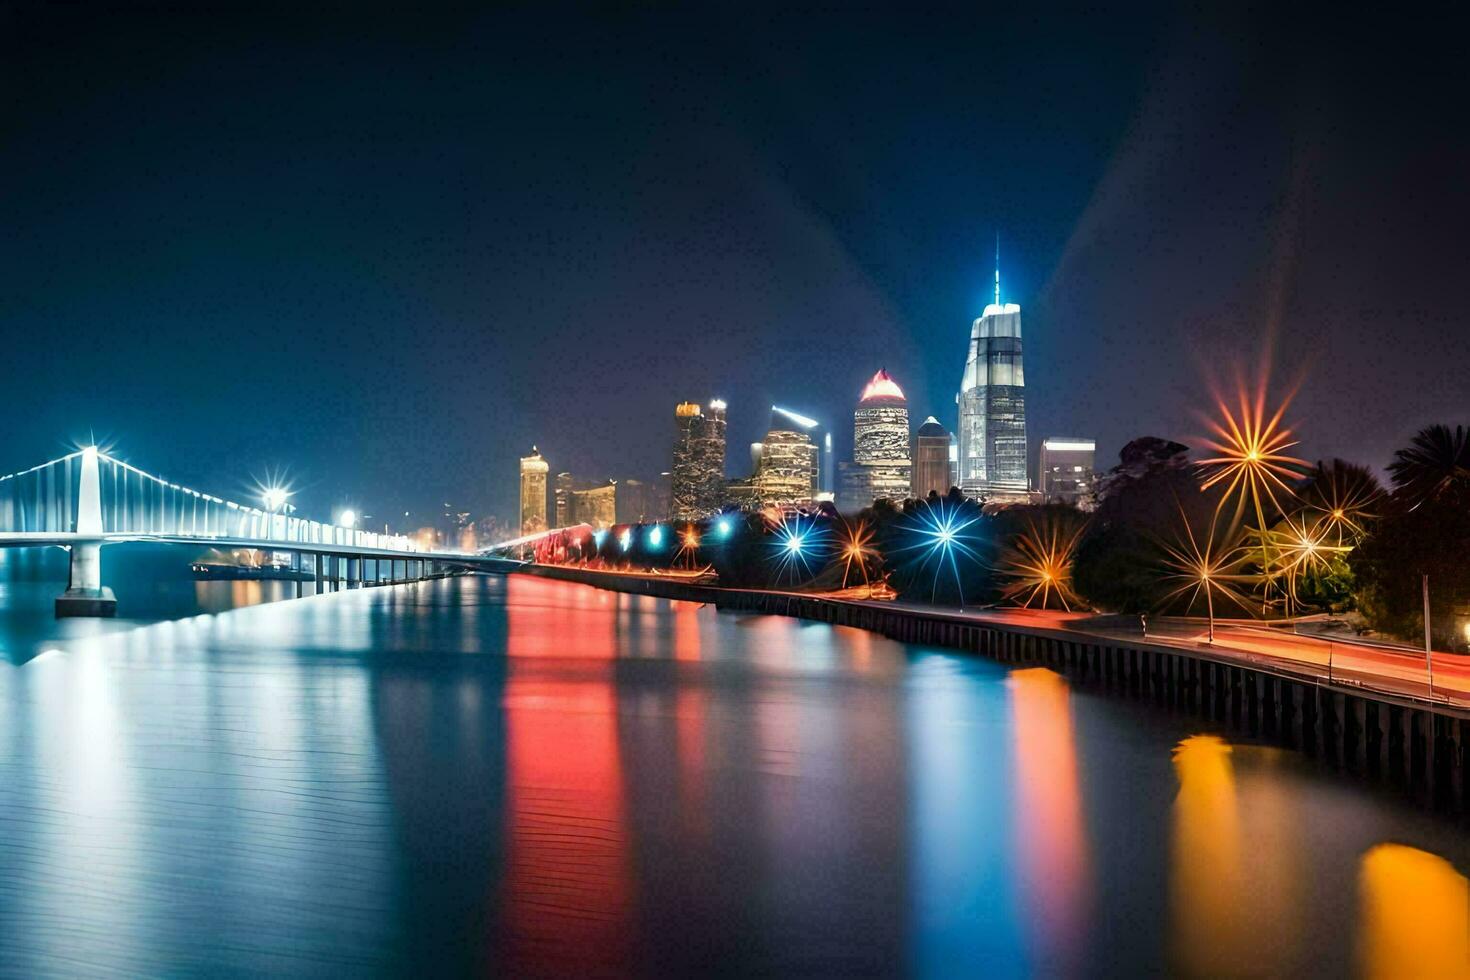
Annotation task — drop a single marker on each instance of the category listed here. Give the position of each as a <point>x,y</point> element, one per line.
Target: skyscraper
<point>880,437</point>
<point>709,459</point>
<point>931,459</point>
<point>596,506</point>
<point>1067,471</point>
<point>565,484</point>
<point>533,492</point>
<point>788,473</point>
<point>992,402</point>
<point>684,494</point>
<point>698,474</point>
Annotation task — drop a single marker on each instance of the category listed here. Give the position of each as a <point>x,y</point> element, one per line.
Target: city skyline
<point>262,243</point>
<point>702,490</point>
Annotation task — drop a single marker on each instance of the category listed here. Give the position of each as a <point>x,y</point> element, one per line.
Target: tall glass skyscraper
<point>992,402</point>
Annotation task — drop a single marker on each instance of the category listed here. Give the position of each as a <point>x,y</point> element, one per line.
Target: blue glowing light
<point>723,527</point>
<point>599,536</point>
<point>799,547</point>
<point>656,536</point>
<point>625,540</point>
<point>942,537</point>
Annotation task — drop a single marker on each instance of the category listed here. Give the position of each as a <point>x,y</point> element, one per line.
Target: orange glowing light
<point>1304,550</point>
<point>857,548</point>
<point>1209,565</point>
<point>1039,564</point>
<point>1252,463</point>
<point>1340,498</point>
<point>1251,444</point>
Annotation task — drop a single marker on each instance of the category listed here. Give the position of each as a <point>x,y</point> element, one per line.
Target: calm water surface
<point>515,776</point>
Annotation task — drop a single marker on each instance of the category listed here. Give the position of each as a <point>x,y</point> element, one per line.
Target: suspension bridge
<point>87,499</point>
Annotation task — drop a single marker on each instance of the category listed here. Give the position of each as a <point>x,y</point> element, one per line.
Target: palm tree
<point>1435,458</point>
<point>1339,499</point>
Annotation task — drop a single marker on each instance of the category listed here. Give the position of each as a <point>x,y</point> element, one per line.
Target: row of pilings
<point>1414,745</point>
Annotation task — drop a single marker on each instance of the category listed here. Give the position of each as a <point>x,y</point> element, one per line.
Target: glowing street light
<point>942,536</point>
<point>856,550</point>
<point>1039,564</point>
<point>798,546</point>
<point>1252,461</point>
<point>1206,565</point>
<point>274,498</point>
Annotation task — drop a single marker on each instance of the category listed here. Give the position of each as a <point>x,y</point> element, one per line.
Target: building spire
<point>997,268</point>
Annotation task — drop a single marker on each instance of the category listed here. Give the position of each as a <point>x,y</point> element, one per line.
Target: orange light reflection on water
<point>1415,910</point>
<point>1051,838</point>
<point>1236,876</point>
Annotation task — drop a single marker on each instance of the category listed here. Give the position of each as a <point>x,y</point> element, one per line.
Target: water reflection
<point>1415,915</point>
<point>1236,876</point>
<point>1051,841</point>
<point>568,890</point>
<point>963,876</point>
<point>490,776</point>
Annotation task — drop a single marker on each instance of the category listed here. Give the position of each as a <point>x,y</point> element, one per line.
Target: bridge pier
<point>85,594</point>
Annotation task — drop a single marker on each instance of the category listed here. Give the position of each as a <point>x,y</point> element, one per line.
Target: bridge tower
<point>85,594</point>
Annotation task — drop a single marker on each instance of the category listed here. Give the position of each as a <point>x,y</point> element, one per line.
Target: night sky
<point>387,253</point>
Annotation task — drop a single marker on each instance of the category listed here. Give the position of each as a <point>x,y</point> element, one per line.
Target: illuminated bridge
<point>88,499</point>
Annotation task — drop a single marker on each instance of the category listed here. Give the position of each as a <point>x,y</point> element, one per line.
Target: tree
<point>1138,506</point>
<point>1435,459</point>
<point>1425,530</point>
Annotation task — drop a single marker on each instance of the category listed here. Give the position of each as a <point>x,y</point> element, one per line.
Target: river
<point>518,776</point>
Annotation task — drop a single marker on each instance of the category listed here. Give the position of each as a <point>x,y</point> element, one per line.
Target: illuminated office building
<point>992,404</point>
<point>931,459</point>
<point>596,506</point>
<point>533,492</point>
<point>880,468</point>
<point>698,474</point>
<point>562,498</point>
<point>787,476</point>
<point>1067,471</point>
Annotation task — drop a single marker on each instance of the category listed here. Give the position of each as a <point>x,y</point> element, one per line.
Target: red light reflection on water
<point>568,891</point>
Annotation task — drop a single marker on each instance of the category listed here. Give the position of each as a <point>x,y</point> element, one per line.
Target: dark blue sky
<point>388,252</point>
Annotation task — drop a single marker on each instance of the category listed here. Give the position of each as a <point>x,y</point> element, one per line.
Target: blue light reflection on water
<point>526,776</point>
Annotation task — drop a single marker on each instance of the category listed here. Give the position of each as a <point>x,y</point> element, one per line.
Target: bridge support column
<point>85,594</point>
